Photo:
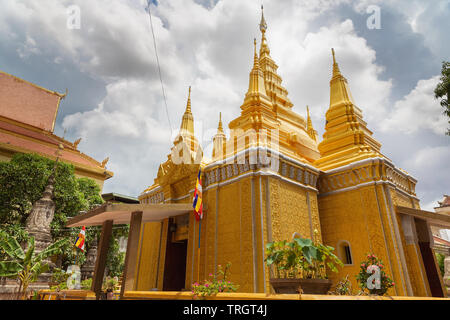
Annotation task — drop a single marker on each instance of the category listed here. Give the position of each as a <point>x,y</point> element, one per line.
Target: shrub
<point>217,283</point>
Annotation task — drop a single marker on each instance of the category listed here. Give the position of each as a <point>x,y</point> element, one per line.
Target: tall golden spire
<point>346,138</point>
<point>264,50</point>
<point>267,107</point>
<point>187,122</point>
<point>275,91</point>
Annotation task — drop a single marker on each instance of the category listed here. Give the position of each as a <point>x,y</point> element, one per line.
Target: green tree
<point>442,90</point>
<point>440,261</point>
<point>23,181</point>
<point>26,266</point>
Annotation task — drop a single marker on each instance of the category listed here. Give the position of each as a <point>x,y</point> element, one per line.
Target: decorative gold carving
<point>369,171</point>
<point>76,143</point>
<point>104,162</point>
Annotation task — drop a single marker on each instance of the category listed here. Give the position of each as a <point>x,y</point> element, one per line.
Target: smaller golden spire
<point>255,59</point>
<point>336,70</point>
<point>187,122</point>
<point>218,140</point>
<point>308,116</point>
<point>188,106</point>
<point>309,126</point>
<point>220,128</point>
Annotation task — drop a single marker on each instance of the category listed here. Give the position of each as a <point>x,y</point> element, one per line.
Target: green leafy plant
<point>301,258</point>
<point>442,90</point>
<point>367,270</point>
<point>58,280</point>
<point>440,261</point>
<point>86,284</point>
<point>23,180</point>
<point>216,283</point>
<point>59,276</point>
<point>25,266</point>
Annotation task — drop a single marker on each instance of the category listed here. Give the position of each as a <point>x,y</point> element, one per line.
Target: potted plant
<point>301,266</point>
<point>109,287</point>
<point>373,277</point>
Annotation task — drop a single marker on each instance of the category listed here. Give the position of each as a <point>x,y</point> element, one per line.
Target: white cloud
<point>430,166</point>
<point>208,47</point>
<point>417,111</point>
<point>307,72</point>
<point>213,53</point>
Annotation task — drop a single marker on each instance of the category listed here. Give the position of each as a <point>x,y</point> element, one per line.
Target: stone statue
<point>87,270</point>
<point>41,215</point>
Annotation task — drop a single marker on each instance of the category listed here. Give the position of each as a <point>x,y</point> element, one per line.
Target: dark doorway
<point>431,269</point>
<point>175,262</point>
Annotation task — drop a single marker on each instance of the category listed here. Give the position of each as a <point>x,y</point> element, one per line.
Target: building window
<point>345,252</point>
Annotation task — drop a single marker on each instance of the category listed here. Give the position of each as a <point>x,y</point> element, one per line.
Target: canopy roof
<point>433,218</point>
<point>120,213</point>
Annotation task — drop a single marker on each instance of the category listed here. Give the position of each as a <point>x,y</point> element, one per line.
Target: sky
<point>106,58</point>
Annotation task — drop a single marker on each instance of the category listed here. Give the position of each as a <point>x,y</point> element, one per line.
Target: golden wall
<point>357,205</point>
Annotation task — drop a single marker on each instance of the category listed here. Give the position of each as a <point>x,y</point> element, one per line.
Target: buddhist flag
<point>80,240</point>
<point>198,205</point>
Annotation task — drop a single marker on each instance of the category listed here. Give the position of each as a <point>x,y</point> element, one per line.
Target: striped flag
<point>81,239</point>
<point>198,205</point>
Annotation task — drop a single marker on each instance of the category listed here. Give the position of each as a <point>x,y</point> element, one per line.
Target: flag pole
<point>198,249</point>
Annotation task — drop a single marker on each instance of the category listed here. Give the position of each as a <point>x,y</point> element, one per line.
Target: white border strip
<point>256,149</point>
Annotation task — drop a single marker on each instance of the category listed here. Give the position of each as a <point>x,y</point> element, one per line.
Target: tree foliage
<point>442,90</point>
<point>23,181</point>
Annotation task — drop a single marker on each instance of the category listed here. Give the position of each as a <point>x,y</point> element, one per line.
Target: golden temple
<point>271,179</point>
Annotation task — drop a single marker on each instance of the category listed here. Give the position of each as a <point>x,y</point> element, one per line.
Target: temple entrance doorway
<point>176,253</point>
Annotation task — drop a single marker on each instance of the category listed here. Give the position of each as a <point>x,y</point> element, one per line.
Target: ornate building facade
<point>272,179</point>
<point>27,120</point>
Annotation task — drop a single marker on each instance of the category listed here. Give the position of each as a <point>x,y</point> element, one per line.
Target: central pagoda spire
<point>267,107</point>
<point>275,91</point>
<point>264,50</point>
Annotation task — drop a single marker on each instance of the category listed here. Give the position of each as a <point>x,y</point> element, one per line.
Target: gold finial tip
<point>263,24</point>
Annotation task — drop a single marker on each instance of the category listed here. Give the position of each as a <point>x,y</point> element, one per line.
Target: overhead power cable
<point>159,67</point>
